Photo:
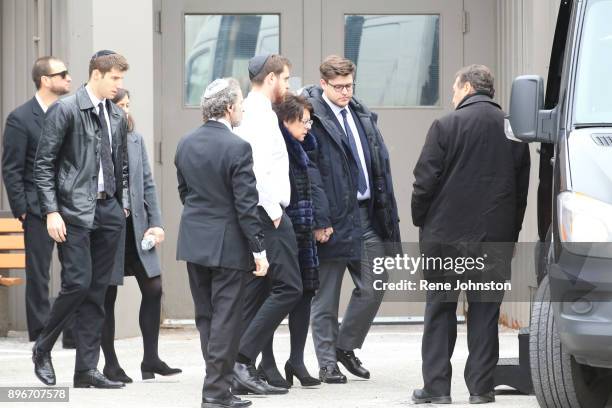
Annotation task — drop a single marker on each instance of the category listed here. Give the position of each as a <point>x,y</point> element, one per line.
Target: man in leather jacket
<point>81,176</point>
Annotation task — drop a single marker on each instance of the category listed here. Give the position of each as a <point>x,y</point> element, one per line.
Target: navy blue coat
<point>336,172</point>
<point>300,208</point>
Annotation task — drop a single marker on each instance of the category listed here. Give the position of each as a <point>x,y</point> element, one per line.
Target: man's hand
<point>126,212</point>
<point>23,216</point>
<point>56,227</point>
<point>277,222</point>
<point>322,234</point>
<point>261,267</point>
<point>157,232</point>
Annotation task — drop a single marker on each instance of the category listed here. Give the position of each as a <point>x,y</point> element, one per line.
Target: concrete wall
<point>525,33</point>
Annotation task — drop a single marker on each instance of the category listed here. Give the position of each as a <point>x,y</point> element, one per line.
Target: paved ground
<point>392,353</point>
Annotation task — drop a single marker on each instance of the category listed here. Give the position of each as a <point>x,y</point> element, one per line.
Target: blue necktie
<point>362,185</point>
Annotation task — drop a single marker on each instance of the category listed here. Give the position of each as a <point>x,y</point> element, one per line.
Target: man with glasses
<point>21,136</point>
<point>355,216</point>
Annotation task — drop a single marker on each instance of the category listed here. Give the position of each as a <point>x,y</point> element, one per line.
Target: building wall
<point>525,34</point>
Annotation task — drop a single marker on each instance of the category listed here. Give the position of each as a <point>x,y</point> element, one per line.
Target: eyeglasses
<point>307,123</point>
<point>61,73</point>
<point>340,87</point>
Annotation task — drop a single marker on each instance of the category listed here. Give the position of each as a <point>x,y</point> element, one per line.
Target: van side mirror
<point>529,122</point>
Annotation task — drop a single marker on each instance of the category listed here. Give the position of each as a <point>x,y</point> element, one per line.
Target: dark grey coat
<point>145,211</point>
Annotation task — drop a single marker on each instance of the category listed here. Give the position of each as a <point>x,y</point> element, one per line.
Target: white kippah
<point>215,87</point>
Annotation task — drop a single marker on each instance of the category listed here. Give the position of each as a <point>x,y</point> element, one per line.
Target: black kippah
<point>256,64</point>
<point>102,53</point>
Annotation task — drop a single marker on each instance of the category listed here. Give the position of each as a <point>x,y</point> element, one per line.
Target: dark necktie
<point>362,185</point>
<point>105,154</point>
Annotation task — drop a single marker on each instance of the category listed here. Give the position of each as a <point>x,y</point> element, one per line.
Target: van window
<point>397,58</point>
<point>221,45</point>
<point>593,97</point>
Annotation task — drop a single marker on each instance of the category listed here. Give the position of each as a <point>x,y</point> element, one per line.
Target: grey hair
<point>479,76</point>
<point>215,106</point>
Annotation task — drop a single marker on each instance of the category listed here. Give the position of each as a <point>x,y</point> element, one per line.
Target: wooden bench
<point>12,256</point>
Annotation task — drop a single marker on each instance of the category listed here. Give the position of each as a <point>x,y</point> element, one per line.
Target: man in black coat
<point>355,216</point>
<point>81,176</point>
<point>21,136</point>
<point>220,233</point>
<point>470,188</point>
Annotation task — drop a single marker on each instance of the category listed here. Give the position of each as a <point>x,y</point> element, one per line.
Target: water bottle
<point>148,242</point>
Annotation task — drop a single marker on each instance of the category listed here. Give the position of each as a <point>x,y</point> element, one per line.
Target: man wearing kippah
<point>81,177</point>
<point>269,300</point>
<point>221,211</point>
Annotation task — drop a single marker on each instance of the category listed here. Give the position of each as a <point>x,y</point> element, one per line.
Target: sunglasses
<point>61,73</point>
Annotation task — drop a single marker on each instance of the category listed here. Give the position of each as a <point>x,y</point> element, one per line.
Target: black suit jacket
<point>21,136</point>
<point>220,226</point>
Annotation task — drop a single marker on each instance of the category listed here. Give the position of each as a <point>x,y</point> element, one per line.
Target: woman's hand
<point>157,232</point>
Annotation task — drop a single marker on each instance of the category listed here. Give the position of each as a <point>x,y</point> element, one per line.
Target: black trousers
<point>38,251</point>
<point>269,299</point>
<point>218,300</point>
<point>440,335</point>
<point>87,259</point>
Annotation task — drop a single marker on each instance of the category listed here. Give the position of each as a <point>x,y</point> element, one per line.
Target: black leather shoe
<point>482,398</point>
<point>332,375</point>
<point>245,376</point>
<point>352,363</point>
<point>43,367</point>
<point>231,402</point>
<point>237,389</point>
<point>117,374</point>
<point>305,379</point>
<point>421,396</point>
<point>272,377</point>
<point>148,371</point>
<point>94,378</point>
<point>272,390</point>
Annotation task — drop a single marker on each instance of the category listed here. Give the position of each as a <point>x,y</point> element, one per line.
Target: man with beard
<point>269,300</point>
<point>21,136</point>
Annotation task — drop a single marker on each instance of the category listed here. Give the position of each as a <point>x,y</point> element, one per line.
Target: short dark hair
<point>105,62</point>
<point>292,108</point>
<point>335,65</point>
<point>479,76</point>
<point>122,93</point>
<point>42,67</point>
<point>276,64</point>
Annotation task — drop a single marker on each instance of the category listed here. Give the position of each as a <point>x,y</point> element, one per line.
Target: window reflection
<point>397,58</point>
<point>221,46</point>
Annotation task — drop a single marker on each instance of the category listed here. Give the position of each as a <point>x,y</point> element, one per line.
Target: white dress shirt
<point>40,102</point>
<point>270,158</point>
<point>96,102</point>
<point>351,122</point>
<point>225,122</point>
